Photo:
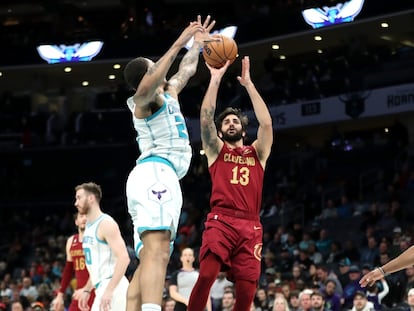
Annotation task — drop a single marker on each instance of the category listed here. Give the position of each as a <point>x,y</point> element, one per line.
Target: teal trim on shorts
<point>156,159</point>
<point>142,229</point>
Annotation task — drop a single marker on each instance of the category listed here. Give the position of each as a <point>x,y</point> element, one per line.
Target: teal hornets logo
<point>79,52</point>
<point>340,13</point>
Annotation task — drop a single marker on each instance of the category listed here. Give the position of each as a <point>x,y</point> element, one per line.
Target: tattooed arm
<point>188,64</point>
<point>156,74</point>
<point>212,144</point>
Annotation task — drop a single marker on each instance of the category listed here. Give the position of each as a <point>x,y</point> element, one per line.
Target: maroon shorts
<point>237,241</point>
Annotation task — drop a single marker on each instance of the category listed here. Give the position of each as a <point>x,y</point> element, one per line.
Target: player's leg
<point>246,263</point>
<point>245,291</point>
<point>134,293</point>
<point>154,204</point>
<point>119,297</point>
<point>154,258</point>
<point>210,267</point>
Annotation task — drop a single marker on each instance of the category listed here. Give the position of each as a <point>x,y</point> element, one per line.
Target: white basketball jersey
<point>164,134</point>
<point>99,258</point>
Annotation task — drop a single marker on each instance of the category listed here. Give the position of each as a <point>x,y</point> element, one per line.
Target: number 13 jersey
<point>237,180</point>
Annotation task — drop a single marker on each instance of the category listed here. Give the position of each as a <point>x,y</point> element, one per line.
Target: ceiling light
<point>282,57</point>
<point>117,66</point>
<point>275,47</point>
<point>384,25</point>
<point>85,83</point>
<point>317,38</point>
<point>67,69</point>
<point>111,77</point>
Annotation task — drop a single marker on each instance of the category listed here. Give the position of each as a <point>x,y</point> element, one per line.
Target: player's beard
<point>232,138</point>
<point>84,208</point>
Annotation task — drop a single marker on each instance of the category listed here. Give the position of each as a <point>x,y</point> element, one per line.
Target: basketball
<point>216,53</point>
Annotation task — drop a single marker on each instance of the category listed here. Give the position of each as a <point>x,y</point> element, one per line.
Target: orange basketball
<point>216,53</point>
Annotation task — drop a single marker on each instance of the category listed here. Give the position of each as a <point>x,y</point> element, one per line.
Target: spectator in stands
<point>261,300</point>
<point>229,300</point>
<point>361,303</point>
<point>352,287</point>
<point>28,289</point>
<point>317,301</point>
<point>217,290</point>
<point>371,216</point>
<point>284,289</point>
<point>370,253</point>
<point>314,254</point>
<point>407,304</point>
<point>303,259</point>
<point>275,245</point>
<point>345,209</point>
<point>323,273</point>
<point>343,267</point>
<point>323,244</point>
<point>297,277</point>
<point>376,293</point>
<point>280,304</point>
<point>270,277</point>
<point>351,251</point>
<point>306,241</point>
<point>291,243</point>
<point>305,303</point>
<point>17,306</point>
<point>293,301</point>
<point>169,304</point>
<point>38,306</point>
<point>335,253</point>
<point>284,263</point>
<point>332,299</point>
<point>409,281</point>
<point>329,210</point>
<point>5,290</point>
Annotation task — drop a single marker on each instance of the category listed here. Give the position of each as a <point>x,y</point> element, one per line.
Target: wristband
<point>382,271</point>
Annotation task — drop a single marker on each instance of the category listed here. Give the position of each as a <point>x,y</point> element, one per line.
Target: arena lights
<point>338,14</point>
<point>78,52</point>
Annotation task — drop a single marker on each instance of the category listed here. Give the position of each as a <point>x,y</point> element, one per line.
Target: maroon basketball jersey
<point>81,272</point>
<point>76,251</point>
<point>237,180</point>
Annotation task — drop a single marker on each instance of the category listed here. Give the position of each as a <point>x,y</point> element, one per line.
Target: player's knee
<point>206,276</point>
<point>132,295</point>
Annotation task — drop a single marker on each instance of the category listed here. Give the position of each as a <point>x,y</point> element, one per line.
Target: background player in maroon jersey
<point>232,239</point>
<point>75,262</point>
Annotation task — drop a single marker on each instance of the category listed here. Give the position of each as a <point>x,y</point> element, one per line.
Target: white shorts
<point>154,198</point>
<point>119,297</point>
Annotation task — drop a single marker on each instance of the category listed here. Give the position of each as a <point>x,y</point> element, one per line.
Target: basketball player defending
<point>153,189</point>
<point>106,255</point>
<point>232,240</point>
<point>75,261</point>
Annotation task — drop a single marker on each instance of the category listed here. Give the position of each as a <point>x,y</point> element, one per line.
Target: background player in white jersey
<point>153,189</point>
<point>106,255</point>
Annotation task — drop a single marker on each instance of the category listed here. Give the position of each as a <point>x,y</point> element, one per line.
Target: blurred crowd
<point>322,248</point>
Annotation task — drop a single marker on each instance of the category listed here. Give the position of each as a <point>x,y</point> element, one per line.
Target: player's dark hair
<point>134,71</point>
<point>93,188</point>
<point>237,112</point>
